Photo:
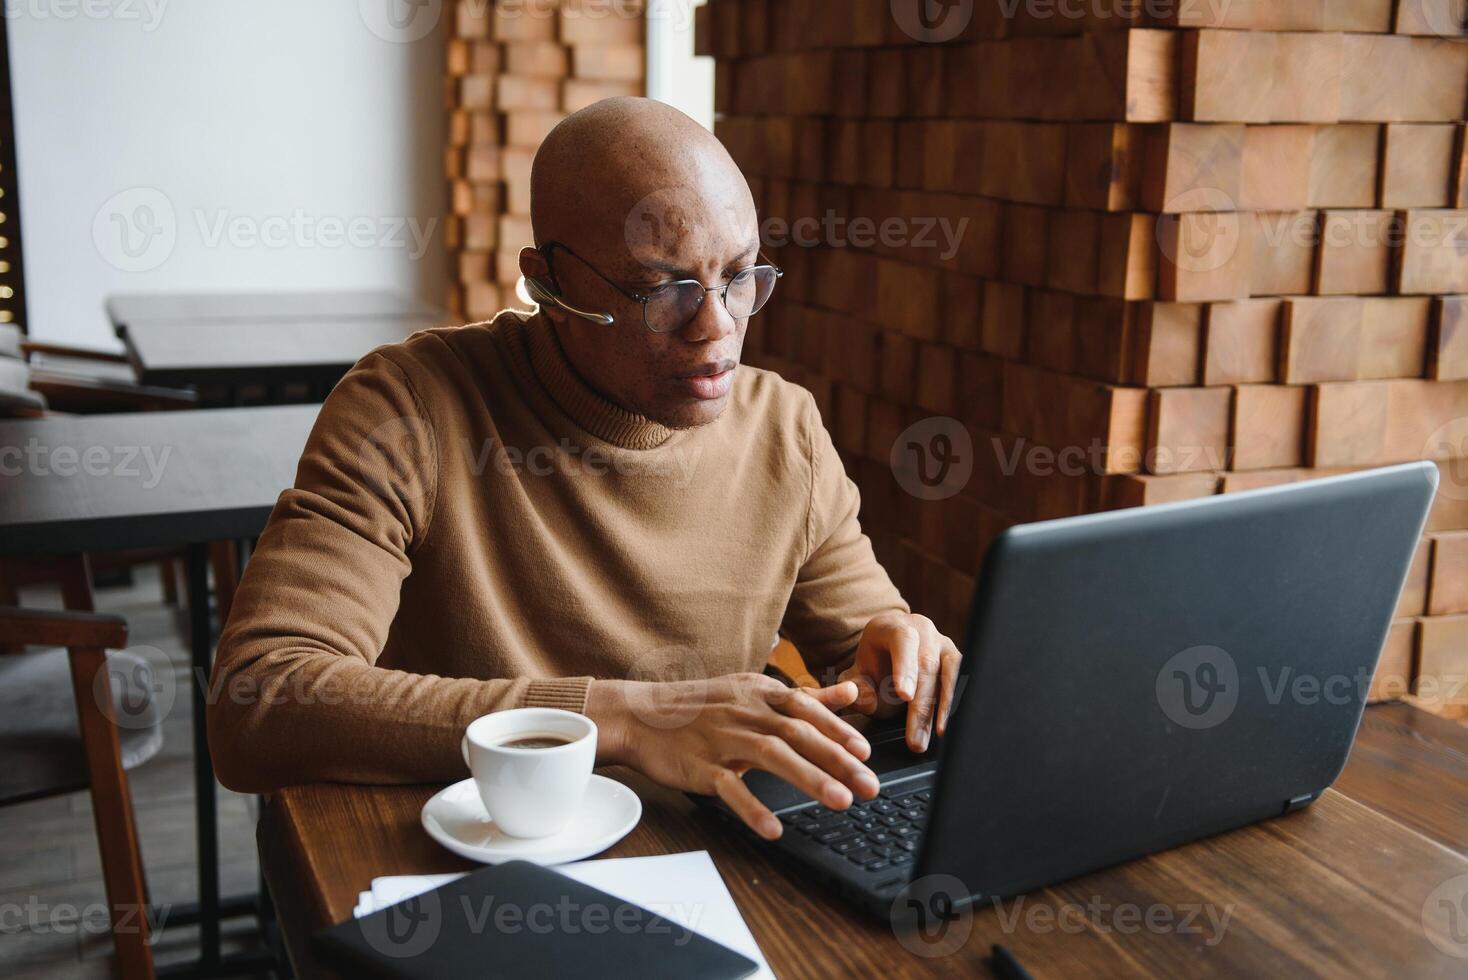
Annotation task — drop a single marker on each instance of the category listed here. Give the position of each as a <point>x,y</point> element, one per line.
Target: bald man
<point>592,508</point>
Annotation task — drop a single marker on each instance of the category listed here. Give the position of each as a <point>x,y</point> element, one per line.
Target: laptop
<point>1132,680</point>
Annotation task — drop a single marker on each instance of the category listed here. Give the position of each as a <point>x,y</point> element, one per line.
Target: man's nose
<point>711,322</point>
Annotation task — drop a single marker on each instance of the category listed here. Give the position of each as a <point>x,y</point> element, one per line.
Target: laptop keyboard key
<point>906,830</point>
<point>863,856</point>
<point>924,794</point>
<point>834,834</point>
<point>907,843</point>
<point>879,838</point>
<point>877,865</point>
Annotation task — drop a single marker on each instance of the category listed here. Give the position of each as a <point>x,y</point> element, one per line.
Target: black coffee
<point>536,741</point>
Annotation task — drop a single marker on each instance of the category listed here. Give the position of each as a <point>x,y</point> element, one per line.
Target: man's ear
<point>533,265</point>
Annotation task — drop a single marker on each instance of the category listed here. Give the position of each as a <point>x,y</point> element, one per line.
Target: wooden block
<point>577,94</point>
<point>1121,76</point>
<point>1361,16</point>
<point>936,378</point>
<point>1191,167</point>
<point>1050,334</point>
<point>1074,245</point>
<point>1167,344</point>
<point>1187,429</point>
<point>1227,76</point>
<point>1460,168</point>
<point>476,92</point>
<point>1448,344</point>
<point>1103,166</point>
<point>1129,256</point>
<point>524,22</point>
<point>1413,601</point>
<point>609,62</point>
<point>1428,420</point>
<point>1026,230</point>
<point>1276,168</point>
<point>1283,250</point>
<point>617,22</point>
<point>961,310</point>
<point>1394,669</point>
<point>482,163</point>
<point>703,30</point>
<point>1004,320</point>
<point>1448,589</point>
<point>1105,415</point>
<point>521,92</point>
<point>1375,89</point>
<point>530,128</point>
<point>1204,256</point>
<point>543,59</point>
<point>1394,337</point>
<point>1245,15</point>
<point>1320,340</point>
<point>907,298</point>
<point>1355,253</point>
<point>850,90</point>
<point>1433,18</point>
<point>1269,423</point>
<point>1348,424</point>
<point>1442,662</point>
<point>1145,490</point>
<point>897,361</point>
<point>1103,337</point>
<point>1434,253</point>
<point>1343,166</point>
<point>1309,71</point>
<point>481,232</point>
<point>1417,165</point>
<point>1241,342</point>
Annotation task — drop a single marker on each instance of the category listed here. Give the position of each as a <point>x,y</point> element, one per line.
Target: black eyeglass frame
<point>644,299</point>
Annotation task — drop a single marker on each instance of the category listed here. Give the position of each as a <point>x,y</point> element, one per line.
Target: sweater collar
<point>578,400</point>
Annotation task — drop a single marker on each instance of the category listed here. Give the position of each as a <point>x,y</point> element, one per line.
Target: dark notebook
<point>521,920</point>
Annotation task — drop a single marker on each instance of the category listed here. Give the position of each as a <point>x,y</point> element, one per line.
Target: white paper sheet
<point>682,888</point>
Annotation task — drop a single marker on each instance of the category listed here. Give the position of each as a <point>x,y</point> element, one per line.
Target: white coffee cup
<point>531,792</point>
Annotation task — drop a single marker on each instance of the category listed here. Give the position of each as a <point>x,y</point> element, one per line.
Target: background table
<point>1337,889</point>
<point>124,308</point>
<point>76,484</point>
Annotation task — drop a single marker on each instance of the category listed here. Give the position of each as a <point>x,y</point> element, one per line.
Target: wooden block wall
<point>1193,253</point>
<point>515,68</point>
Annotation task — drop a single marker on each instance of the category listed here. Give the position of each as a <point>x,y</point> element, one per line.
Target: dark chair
<point>81,716</point>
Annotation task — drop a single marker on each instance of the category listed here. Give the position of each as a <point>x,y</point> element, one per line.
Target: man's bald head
<point>630,172</point>
<point>638,196</point>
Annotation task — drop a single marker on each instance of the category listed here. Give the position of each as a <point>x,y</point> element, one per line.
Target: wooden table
<point>97,483</point>
<point>124,308</point>
<point>271,352</point>
<point>1338,889</point>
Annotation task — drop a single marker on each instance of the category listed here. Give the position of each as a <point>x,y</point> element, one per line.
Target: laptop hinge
<point>1298,803</point>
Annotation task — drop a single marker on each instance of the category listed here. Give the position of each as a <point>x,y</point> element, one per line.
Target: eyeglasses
<point>673,305</point>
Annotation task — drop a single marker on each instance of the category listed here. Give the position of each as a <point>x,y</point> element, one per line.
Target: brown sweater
<point>473,528</point>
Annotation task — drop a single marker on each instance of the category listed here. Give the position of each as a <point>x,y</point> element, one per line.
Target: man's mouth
<point>709,381</point>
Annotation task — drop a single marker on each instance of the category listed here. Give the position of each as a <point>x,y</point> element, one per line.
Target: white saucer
<point>455,817</point>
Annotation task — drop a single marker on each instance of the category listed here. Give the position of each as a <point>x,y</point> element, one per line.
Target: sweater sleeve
<point>840,586</point>
<point>296,695</point>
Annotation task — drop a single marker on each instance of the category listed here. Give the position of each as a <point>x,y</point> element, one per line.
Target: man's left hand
<point>903,659</point>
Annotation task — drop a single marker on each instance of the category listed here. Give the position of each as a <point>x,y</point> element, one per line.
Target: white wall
<point>674,74</point>
<point>244,144</point>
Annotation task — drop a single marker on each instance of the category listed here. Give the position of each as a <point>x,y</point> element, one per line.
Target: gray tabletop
<point>72,484</point>
<point>270,352</point>
<point>124,308</point>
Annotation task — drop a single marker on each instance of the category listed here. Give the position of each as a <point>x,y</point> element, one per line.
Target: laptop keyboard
<point>874,834</point>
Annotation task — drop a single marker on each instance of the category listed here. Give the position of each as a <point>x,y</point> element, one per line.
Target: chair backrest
<point>10,339</point>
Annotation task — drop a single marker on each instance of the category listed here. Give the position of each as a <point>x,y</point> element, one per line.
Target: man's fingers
<point>951,660</point>
<point>867,700</point>
<point>812,738</point>
<point>899,640</point>
<point>774,755</point>
<point>731,789</point>
<point>834,697</point>
<point>920,709</point>
<point>818,708</point>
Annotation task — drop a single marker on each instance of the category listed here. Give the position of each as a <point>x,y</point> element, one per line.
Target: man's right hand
<point>701,736</point>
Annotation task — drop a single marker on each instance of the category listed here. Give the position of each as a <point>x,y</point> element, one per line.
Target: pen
<point>1007,967</point>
